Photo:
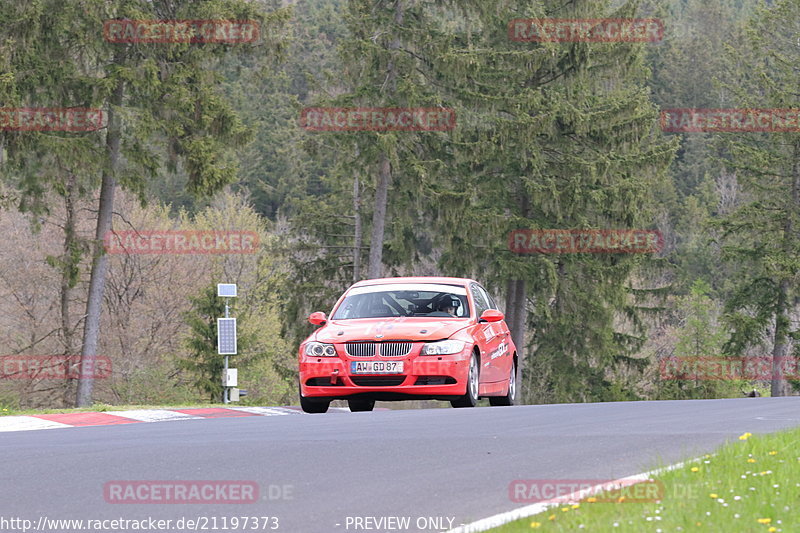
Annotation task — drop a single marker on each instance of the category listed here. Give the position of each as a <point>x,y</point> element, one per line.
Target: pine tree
<point>203,362</point>
<point>700,336</point>
<point>761,234</point>
<point>562,135</point>
<point>368,206</point>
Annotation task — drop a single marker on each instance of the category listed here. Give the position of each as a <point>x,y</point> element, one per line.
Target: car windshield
<point>396,300</point>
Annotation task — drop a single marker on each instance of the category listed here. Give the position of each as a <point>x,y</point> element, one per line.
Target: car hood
<point>400,328</point>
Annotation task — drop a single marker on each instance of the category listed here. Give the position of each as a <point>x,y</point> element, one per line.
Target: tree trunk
<point>516,319</point>
<point>519,316</point>
<point>780,349</point>
<point>511,287</point>
<point>779,385</point>
<point>517,306</point>
<point>94,303</point>
<point>379,218</point>
<point>384,166</point>
<point>67,283</point>
<point>358,231</point>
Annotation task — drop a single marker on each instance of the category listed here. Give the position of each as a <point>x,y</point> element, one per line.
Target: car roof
<point>416,279</point>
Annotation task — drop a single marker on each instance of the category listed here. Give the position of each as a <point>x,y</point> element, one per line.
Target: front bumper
<point>423,377</point>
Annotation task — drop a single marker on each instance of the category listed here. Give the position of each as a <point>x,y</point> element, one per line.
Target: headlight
<point>443,347</point>
<point>318,349</point>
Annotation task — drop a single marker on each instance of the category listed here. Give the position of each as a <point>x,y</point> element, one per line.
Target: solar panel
<point>226,336</point>
<point>226,290</point>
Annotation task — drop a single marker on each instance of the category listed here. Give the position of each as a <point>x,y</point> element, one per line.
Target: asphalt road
<point>315,471</point>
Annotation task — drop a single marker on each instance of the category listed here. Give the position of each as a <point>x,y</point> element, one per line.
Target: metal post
<point>225,387</point>
<point>227,291</point>
<point>225,390</point>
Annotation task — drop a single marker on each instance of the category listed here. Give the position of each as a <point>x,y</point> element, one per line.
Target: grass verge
<point>749,485</point>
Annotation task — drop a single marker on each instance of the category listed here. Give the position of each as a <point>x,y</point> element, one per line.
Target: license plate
<point>376,367</point>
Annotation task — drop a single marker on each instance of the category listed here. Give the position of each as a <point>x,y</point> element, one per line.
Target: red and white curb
<point>67,420</point>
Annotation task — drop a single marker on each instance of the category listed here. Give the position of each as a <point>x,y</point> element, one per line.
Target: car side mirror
<point>491,315</point>
<point>318,318</point>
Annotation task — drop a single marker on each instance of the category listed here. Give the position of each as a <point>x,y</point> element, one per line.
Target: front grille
<point>378,381</point>
<point>395,349</point>
<point>360,349</point>
<point>385,349</point>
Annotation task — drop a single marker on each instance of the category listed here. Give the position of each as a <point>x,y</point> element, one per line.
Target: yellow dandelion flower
<point>575,505</point>
<point>764,520</point>
<point>591,499</point>
<point>621,499</point>
<point>534,525</point>
<point>551,517</point>
<point>773,452</point>
<point>713,495</point>
<point>698,523</point>
<point>564,509</point>
<point>772,529</point>
<point>751,460</point>
<point>695,469</point>
<point>745,436</point>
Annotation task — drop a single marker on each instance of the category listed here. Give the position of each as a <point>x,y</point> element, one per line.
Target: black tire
<point>470,399</point>
<point>511,396</point>
<point>315,405</point>
<point>360,404</point>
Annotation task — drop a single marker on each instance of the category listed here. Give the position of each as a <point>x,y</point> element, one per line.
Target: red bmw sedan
<point>409,338</point>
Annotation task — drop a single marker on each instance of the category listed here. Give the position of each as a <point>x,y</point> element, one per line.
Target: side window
<point>489,299</point>
<point>481,302</point>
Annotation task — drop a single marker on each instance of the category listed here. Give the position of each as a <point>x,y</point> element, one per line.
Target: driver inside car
<point>449,304</point>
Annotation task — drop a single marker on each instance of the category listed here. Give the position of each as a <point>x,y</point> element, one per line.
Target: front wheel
<point>511,397</point>
<point>470,399</point>
<point>313,405</point>
<point>359,404</point>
